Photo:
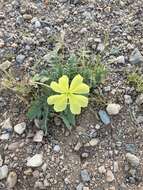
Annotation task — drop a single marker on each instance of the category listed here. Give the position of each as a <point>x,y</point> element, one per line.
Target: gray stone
<point>139,119</point>
<point>130,148</point>
<point>80,186</point>
<point>139,99</point>
<point>20,58</point>
<point>121,59</point>
<point>104,117</point>
<point>38,136</point>
<point>37,24</point>
<point>5,136</point>
<point>94,142</point>
<point>7,125</point>
<point>12,179</point>
<point>56,148</point>
<point>78,146</point>
<point>102,170</point>
<point>110,176</point>
<point>132,159</point>
<point>136,57</point>
<point>35,161</point>
<point>85,176</point>
<point>1,161</point>
<point>3,172</point>
<point>20,128</point>
<point>128,99</point>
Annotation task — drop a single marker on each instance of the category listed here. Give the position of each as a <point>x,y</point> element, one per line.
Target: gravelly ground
<point>28,30</point>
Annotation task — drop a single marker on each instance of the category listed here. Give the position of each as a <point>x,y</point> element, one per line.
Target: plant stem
<point>40,83</point>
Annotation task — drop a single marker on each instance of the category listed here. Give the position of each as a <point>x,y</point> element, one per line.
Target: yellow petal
<point>77,86</point>
<point>62,86</point>
<point>76,102</point>
<point>59,101</point>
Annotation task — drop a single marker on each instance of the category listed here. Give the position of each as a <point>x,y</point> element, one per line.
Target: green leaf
<point>35,110</point>
<point>66,121</point>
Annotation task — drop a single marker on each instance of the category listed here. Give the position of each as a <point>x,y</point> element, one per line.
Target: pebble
<point>110,176</point>
<point>5,136</point>
<point>20,58</point>
<point>85,176</point>
<point>3,172</point>
<point>1,161</point>
<point>1,43</point>
<point>13,146</point>
<point>113,109</point>
<point>104,117</point>
<point>35,161</point>
<point>20,128</point>
<point>56,148</point>
<point>5,65</point>
<point>94,142</point>
<point>132,159</point>
<point>78,146</point>
<point>84,155</point>
<point>102,170</point>
<point>115,166</point>
<point>27,16</point>
<point>100,47</point>
<point>80,186</point>
<point>12,179</point>
<point>139,100</point>
<point>97,126</point>
<point>139,119</point>
<point>121,59</point>
<point>136,57</point>
<point>7,125</point>
<point>37,24</point>
<point>38,136</point>
<point>85,188</point>
<point>130,148</point>
<point>128,99</point>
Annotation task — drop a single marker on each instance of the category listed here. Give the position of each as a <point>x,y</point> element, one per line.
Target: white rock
<point>35,161</point>
<point>5,136</point>
<point>132,159</point>
<point>1,160</point>
<point>3,171</point>
<point>7,124</point>
<point>56,148</point>
<point>20,128</point>
<point>78,146</point>
<point>110,177</point>
<point>116,167</point>
<point>128,99</point>
<point>102,170</point>
<point>12,179</point>
<point>38,136</point>
<point>139,99</point>
<point>113,109</point>
<point>121,59</point>
<point>93,142</point>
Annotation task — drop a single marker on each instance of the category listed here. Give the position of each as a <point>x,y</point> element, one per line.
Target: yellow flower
<point>69,94</point>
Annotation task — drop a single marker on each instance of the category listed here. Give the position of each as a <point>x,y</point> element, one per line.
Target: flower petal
<point>59,101</point>
<point>77,86</point>
<point>62,86</point>
<point>76,102</point>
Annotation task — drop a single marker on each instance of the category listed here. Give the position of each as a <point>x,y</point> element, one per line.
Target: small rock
<point>113,109</point>
<point>139,100</point>
<point>38,136</point>
<point>132,159</point>
<point>85,188</point>
<point>115,166</point>
<point>27,17</point>
<point>5,65</point>
<point>128,99</point>
<point>78,146</point>
<point>20,58</point>
<point>56,148</point>
<point>84,155</point>
<point>100,47</point>
<point>94,142</point>
<point>35,161</point>
<point>130,148</point>
<point>1,161</point>
<point>102,170</point>
<point>107,88</point>
<point>12,179</point>
<point>37,24</point>
<point>121,59</point>
<point>85,176</point>
<point>1,43</point>
<point>136,57</point>
<point>104,117</point>
<point>97,126</point>
<point>3,172</point>
<point>80,186</point>
<point>20,128</point>
<point>5,136</point>
<point>13,146</point>
<point>7,125</point>
<point>110,177</point>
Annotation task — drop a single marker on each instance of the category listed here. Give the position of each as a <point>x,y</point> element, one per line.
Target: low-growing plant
<point>136,80</point>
